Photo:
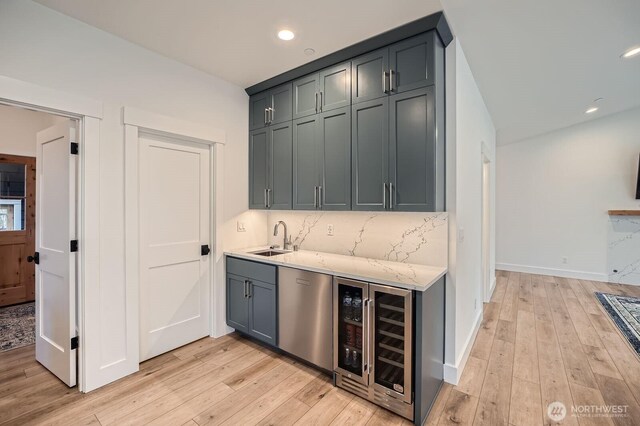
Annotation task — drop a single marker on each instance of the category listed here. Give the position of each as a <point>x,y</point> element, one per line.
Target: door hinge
<point>74,148</point>
<point>74,343</point>
<point>73,246</point>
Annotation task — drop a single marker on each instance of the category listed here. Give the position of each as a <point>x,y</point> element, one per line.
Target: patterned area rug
<point>625,312</point>
<point>17,326</point>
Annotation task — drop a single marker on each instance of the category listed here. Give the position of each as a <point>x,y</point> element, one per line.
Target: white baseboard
<point>564,273</point>
<point>452,373</point>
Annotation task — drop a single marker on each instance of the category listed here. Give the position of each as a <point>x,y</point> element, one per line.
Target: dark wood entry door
<point>17,228</point>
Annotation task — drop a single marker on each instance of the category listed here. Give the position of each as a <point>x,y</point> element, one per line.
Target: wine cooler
<point>372,354</point>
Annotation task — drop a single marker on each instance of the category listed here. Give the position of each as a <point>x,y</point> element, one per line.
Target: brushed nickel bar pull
<point>391,72</point>
<point>315,197</point>
<point>320,101</point>
<point>316,102</point>
<point>319,197</point>
<point>265,115</point>
<point>384,195</point>
<point>391,195</point>
<point>265,198</point>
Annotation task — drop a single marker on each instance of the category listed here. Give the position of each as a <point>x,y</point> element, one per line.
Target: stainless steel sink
<point>268,253</point>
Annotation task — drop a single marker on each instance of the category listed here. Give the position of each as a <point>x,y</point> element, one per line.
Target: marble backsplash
<point>624,250</point>
<point>419,238</point>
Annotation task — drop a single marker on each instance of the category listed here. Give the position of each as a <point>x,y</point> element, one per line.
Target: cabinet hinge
<point>74,343</point>
<point>73,246</point>
<point>74,148</point>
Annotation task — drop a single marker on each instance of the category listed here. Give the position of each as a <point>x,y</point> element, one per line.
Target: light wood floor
<point>542,339</point>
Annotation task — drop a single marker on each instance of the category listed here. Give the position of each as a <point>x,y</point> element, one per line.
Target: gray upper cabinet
<point>306,166</point>
<point>412,165</point>
<point>335,87</point>
<point>370,152</point>
<point>305,96</point>
<point>270,167</point>
<point>258,168</point>
<point>280,185</point>
<point>369,76</point>
<point>258,105</point>
<point>334,136</point>
<point>411,64</point>
<point>280,103</point>
<point>270,107</point>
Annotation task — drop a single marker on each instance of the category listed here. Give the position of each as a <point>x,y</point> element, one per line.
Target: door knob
<point>205,250</point>
<point>35,258</point>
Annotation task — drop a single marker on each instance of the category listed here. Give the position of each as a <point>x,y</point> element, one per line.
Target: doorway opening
<point>486,228</point>
<point>38,209</point>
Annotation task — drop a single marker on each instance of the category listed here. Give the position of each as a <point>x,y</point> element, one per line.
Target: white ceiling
<point>539,64</point>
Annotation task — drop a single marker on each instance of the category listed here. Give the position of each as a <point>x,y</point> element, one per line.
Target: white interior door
<point>56,268</point>
<point>174,225</point>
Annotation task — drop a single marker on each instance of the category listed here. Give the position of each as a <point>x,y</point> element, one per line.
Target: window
<point>12,196</point>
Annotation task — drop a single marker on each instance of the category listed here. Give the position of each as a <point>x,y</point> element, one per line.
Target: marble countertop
<point>396,274</point>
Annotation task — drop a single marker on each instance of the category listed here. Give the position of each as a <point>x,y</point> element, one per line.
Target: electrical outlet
<point>565,260</point>
<point>330,230</point>
<point>241,227</point>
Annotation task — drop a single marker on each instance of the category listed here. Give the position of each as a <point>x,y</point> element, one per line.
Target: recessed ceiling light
<point>634,51</point>
<point>591,110</point>
<point>286,35</point>
<point>309,51</point>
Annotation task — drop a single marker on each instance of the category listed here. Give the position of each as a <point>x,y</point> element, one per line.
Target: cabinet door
<point>335,87</point>
<point>280,101</point>
<point>305,92</point>
<point>411,63</point>
<point>368,76</point>
<point>263,314</point>
<point>258,105</point>
<point>281,167</point>
<point>237,303</point>
<point>258,168</point>
<point>412,163</point>
<point>370,152</point>
<point>305,163</point>
<point>334,147</point>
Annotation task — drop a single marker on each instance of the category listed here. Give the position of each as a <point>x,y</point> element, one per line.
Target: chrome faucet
<point>287,241</point>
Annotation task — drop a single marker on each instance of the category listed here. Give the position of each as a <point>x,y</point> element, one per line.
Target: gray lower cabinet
<point>252,299</point>
<point>397,164</point>
<point>270,167</point>
<point>322,161</point>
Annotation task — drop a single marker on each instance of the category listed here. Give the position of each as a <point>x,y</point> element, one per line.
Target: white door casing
<point>56,272</point>
<point>174,222</point>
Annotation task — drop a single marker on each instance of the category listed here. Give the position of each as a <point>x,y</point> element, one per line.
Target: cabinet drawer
<point>249,269</point>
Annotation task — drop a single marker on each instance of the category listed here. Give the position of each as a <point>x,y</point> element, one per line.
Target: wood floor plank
<point>509,309</point>
<point>589,397</point>
<point>286,414</point>
<point>315,391</point>
<point>625,360</point>
<point>384,417</point>
<point>482,346</point>
<point>357,413</point>
<point>525,295</point>
<point>601,362</point>
<point>494,401</point>
<point>472,377</point>
<point>327,409</point>
<point>439,404</point>
<point>506,330</point>
<point>459,409</point>
<point>526,406</point>
<point>525,363</point>
<point>616,393</point>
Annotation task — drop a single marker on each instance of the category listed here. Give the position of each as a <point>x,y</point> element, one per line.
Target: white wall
<point>554,192</point>
<point>46,48</point>
<point>18,128</point>
<point>469,126</point>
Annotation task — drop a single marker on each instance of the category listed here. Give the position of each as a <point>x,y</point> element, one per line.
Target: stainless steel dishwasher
<point>305,316</point>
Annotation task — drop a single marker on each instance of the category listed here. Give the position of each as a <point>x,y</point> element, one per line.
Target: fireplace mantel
<point>624,212</point>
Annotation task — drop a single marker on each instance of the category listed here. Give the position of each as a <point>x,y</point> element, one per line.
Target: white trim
<point>20,93</point>
<point>564,273</point>
<point>172,126</point>
<point>137,122</point>
<point>89,113</point>
<point>452,373</point>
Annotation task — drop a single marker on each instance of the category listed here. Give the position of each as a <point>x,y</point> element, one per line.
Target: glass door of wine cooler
<point>351,327</point>
<point>391,343</point>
